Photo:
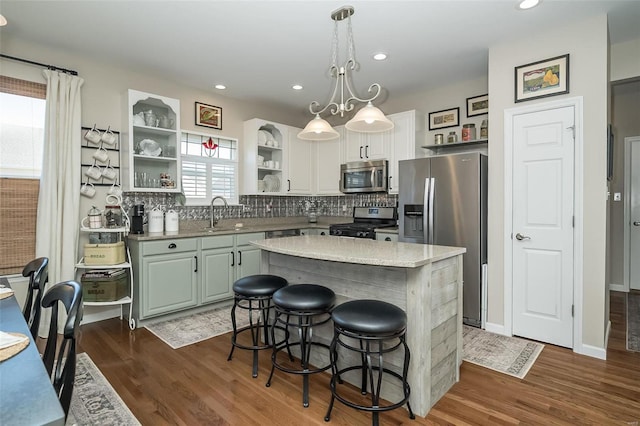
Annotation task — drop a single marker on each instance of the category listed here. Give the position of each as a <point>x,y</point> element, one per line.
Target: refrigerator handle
<point>432,192</point>
<point>425,216</point>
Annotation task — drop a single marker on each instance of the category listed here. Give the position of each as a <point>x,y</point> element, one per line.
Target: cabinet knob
<point>323,233</point>
<point>388,239</point>
<point>172,245</point>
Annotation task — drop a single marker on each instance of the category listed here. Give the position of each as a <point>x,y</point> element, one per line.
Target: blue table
<point>26,393</point>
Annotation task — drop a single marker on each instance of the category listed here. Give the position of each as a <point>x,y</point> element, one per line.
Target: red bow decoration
<point>210,146</point>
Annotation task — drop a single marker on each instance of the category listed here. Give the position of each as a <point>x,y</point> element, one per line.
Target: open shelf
<point>455,144</point>
<point>125,299</point>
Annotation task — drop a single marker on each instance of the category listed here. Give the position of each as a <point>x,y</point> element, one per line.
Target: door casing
<point>509,114</point>
<point>627,208</point>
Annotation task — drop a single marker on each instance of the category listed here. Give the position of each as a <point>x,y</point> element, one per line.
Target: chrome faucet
<point>213,219</point>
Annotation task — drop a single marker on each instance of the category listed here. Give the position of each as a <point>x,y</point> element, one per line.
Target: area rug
<point>195,328</point>
<point>633,321</point>
<point>508,355</point>
<point>94,401</point>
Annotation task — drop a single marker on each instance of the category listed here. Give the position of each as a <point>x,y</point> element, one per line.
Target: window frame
<point>209,161</point>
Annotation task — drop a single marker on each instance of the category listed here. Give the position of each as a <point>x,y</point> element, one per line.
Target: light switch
<point>617,196</point>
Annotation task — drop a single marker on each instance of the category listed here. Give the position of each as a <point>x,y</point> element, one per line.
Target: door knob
<point>521,237</point>
<point>636,223</point>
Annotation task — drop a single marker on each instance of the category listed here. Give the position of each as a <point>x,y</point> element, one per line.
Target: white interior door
<point>632,210</point>
<point>542,235</point>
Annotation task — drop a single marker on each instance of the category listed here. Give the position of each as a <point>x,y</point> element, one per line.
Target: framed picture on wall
<point>541,79</point>
<point>445,118</point>
<point>478,105</point>
<point>208,116</point>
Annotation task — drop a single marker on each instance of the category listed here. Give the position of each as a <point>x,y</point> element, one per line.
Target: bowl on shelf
<point>150,147</point>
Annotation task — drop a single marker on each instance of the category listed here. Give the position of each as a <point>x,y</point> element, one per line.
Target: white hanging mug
<point>88,190</point>
<point>109,172</point>
<point>108,137</point>
<point>101,155</point>
<point>93,135</point>
<point>94,172</point>
<point>115,189</point>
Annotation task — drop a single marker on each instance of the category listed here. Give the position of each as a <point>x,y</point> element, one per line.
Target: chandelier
<point>369,119</point>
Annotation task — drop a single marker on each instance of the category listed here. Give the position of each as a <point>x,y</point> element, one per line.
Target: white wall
<point>625,60</point>
<point>586,42</point>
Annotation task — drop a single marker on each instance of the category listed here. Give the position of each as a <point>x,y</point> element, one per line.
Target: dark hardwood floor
<point>196,385</point>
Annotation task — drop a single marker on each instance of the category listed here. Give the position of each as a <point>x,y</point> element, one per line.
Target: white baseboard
<point>592,351</point>
<point>495,328</point>
<point>618,287</point>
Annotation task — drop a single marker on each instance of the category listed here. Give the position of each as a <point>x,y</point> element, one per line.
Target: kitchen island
<point>424,280</point>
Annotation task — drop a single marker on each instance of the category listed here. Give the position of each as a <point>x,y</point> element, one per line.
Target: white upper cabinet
<point>263,154</point>
<point>365,146</point>
<point>402,143</point>
<point>300,165</point>
<point>151,143</point>
<point>328,159</point>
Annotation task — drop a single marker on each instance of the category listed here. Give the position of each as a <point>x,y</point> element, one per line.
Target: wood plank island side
<point>425,281</point>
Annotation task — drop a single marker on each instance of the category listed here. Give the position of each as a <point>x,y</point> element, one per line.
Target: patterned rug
<point>633,321</point>
<point>195,328</point>
<point>94,402</point>
<point>508,355</point>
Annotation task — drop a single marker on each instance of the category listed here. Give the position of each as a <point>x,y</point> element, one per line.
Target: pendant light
<point>369,119</point>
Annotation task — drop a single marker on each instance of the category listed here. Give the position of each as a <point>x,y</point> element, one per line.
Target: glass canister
<point>113,216</point>
<point>484,129</point>
<point>453,137</point>
<point>468,132</point>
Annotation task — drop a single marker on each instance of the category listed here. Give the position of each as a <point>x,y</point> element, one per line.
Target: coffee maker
<point>137,219</point>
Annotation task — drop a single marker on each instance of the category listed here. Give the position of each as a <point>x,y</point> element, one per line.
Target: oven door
<point>364,176</point>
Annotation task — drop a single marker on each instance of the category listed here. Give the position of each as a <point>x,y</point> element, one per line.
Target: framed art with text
<point>445,118</point>
<point>541,79</point>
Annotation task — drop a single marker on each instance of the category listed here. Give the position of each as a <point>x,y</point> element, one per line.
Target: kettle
<point>165,122</point>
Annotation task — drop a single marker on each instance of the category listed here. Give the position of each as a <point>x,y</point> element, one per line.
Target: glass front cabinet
<point>151,143</point>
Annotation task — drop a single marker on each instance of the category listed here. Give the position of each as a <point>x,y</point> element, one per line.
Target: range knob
<point>336,232</point>
<point>361,234</point>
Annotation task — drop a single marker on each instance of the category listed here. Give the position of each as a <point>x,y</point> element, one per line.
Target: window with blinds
<point>209,167</point>
<point>22,116</point>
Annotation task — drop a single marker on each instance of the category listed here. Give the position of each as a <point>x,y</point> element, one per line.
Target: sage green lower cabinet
<point>168,276</point>
<point>248,262</point>
<point>183,273</point>
<point>217,268</point>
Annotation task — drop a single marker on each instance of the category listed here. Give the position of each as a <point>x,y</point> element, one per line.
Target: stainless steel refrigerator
<point>443,201</point>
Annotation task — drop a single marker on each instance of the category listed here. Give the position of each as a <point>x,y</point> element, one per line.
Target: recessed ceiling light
<point>528,4</point>
<point>3,21</point>
<point>380,56</point>
<point>220,86</point>
<point>296,87</point>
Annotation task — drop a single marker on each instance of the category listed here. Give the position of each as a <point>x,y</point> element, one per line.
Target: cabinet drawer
<point>244,239</point>
<point>169,246</point>
<point>217,242</point>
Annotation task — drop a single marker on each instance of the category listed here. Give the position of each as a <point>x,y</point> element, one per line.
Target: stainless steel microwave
<point>364,176</point>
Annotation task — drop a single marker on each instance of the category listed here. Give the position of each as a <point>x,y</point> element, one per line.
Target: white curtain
<point>59,199</point>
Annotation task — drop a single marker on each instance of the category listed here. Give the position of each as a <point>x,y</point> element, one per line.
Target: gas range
<point>365,221</point>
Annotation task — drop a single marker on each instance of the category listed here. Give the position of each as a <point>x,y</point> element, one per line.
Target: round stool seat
<point>304,297</point>
<point>369,317</point>
<point>258,285</point>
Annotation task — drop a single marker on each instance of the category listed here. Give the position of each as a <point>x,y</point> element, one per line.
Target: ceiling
<point>259,49</point>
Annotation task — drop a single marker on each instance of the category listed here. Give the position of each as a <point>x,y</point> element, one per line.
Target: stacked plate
<point>271,183</point>
<point>263,137</point>
<point>150,147</point>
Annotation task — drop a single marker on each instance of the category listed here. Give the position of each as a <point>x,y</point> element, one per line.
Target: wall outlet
<point>617,196</point>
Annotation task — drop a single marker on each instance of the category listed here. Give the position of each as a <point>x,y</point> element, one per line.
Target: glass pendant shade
<point>369,120</point>
<point>318,129</point>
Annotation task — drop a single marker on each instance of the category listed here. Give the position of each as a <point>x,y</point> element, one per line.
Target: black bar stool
<point>379,328</point>
<point>254,294</point>
<point>301,306</point>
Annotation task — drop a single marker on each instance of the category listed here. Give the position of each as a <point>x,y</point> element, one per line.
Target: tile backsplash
<point>267,206</point>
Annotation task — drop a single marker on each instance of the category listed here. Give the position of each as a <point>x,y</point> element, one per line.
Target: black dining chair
<point>70,294</point>
<point>38,275</point>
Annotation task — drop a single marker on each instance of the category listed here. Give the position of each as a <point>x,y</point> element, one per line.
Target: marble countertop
<point>359,250</point>
<point>190,229</point>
